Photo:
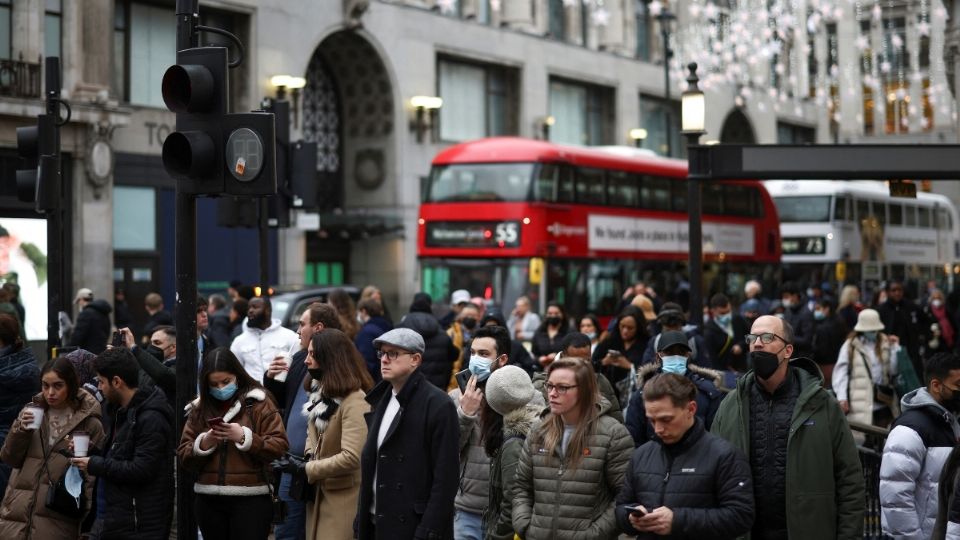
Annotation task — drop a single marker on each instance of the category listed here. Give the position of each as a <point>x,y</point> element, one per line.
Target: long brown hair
<point>221,359</point>
<point>64,369</point>
<point>346,310</point>
<point>550,433</point>
<point>344,370</point>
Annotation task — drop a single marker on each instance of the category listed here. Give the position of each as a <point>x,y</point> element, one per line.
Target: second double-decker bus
<point>505,217</point>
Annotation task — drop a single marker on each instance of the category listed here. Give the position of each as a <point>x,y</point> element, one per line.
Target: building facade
<point>574,71</point>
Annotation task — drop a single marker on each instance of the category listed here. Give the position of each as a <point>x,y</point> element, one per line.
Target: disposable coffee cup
<point>282,376</point>
<point>81,443</point>
<point>37,416</point>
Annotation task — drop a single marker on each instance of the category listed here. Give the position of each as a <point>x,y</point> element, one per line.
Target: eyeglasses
<point>560,388</point>
<point>766,338</point>
<point>392,355</point>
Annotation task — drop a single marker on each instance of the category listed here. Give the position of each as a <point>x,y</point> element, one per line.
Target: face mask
<point>787,304</point>
<point>224,393</point>
<point>953,403</point>
<point>724,320</point>
<point>765,363</point>
<point>469,323</point>
<point>155,352</point>
<point>316,373</point>
<point>937,303</point>
<point>553,321</point>
<point>810,293</point>
<point>819,315</point>
<point>480,367</point>
<point>591,335</point>
<point>675,364</point>
<point>74,483</point>
<point>870,336</point>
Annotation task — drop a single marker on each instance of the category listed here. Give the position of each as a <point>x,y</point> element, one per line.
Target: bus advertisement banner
<point>617,233</point>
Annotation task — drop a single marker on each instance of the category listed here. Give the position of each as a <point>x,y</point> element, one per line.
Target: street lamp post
<point>666,18</point>
<point>693,112</point>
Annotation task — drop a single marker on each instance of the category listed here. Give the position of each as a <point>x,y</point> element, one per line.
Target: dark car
<point>290,303</point>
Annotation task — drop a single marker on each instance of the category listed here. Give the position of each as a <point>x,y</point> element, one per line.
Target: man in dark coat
<point>709,494</point>
<point>440,353</point>
<point>135,476</point>
<point>723,337</point>
<point>410,463</point>
<point>905,320</point>
<point>92,330</point>
<point>800,318</point>
<point>370,311</point>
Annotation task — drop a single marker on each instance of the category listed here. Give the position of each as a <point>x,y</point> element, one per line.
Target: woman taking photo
<point>233,432</point>
<point>617,356</point>
<point>864,375</point>
<point>573,463</point>
<point>547,338</point>
<point>336,432</point>
<point>34,453</point>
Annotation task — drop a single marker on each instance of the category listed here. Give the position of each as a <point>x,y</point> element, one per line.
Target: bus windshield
<point>480,182</point>
<point>803,209</point>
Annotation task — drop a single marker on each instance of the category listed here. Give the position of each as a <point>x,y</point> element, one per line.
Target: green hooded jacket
<point>824,479</point>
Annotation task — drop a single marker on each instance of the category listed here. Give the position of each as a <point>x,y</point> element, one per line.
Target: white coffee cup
<point>81,443</point>
<point>37,416</point>
<point>282,376</point>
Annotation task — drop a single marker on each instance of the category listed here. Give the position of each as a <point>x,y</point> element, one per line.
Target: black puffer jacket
<point>437,365</point>
<point>769,433</point>
<point>19,382</point>
<point>137,469</point>
<point>703,479</point>
<point>93,327</point>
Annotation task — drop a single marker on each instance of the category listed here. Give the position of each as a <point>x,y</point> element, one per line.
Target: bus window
<point>880,212</point>
<point>622,189</point>
<point>565,184</point>
<point>923,218</point>
<point>896,214</point>
<point>840,209</point>
<point>480,182</point>
<point>711,197</point>
<point>909,215</point>
<point>863,210</point>
<point>803,209</point>
<point>547,183</point>
<point>655,193</point>
<point>943,221</point>
<point>679,196</point>
<point>740,201</point>
<point>590,186</point>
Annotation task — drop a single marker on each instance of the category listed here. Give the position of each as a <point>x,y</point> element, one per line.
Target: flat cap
<point>404,338</point>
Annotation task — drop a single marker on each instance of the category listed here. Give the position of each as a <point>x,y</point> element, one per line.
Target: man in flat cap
<point>409,465</point>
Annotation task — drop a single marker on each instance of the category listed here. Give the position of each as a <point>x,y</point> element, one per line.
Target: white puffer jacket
<point>858,368</point>
<point>256,348</point>
<point>913,458</point>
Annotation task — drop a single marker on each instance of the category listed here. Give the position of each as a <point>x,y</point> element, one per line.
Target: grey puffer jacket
<point>474,463</point>
<point>913,458</point>
<point>498,521</point>
<point>553,501</point>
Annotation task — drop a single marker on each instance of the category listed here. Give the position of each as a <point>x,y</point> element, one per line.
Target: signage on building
<point>616,233</point>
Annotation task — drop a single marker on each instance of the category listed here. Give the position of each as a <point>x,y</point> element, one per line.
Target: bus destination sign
<point>804,245</point>
<point>478,234</point>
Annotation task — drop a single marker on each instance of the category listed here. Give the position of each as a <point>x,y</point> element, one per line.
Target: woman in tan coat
<point>336,432</point>
<point>35,458</point>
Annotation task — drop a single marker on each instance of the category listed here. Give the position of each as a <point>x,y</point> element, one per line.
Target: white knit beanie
<point>508,389</point>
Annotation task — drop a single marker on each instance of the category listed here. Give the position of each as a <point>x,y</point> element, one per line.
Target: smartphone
<point>215,421</point>
<point>638,510</point>
<point>612,352</point>
<point>463,377</point>
<point>117,340</point>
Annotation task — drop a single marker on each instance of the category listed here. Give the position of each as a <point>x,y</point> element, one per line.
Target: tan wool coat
<point>334,447</point>
<point>23,514</point>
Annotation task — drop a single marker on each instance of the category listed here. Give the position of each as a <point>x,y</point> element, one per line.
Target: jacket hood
<point>152,400</point>
<point>100,305</point>
<point>921,398</point>
<point>274,325</point>
<point>519,422</point>
<point>424,324</point>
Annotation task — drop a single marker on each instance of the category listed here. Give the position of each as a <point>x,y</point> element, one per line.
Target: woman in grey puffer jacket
<point>573,462</point>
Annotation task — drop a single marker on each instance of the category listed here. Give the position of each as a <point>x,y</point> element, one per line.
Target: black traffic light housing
<point>213,152</point>
<point>39,147</point>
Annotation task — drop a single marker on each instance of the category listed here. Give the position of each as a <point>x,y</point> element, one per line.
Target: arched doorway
<point>737,129</point>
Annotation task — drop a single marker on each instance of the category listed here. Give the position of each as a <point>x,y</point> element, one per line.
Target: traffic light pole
<point>263,231</point>
<point>55,228</point>
<point>186,315</point>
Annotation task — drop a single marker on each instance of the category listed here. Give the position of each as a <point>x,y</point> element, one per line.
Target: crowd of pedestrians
<point>477,424</point>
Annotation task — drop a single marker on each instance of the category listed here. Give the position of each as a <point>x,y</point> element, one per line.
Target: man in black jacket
<point>902,318</point>
<point>135,476</point>
<point>686,483</point>
<point>409,464</point>
<point>93,322</point>
<point>723,337</point>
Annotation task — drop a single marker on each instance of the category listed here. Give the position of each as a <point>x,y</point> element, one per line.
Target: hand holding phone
<point>638,510</point>
<point>213,422</point>
<point>117,340</point>
<point>463,377</point>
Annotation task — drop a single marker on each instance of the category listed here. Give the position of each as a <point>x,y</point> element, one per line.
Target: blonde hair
<point>848,295</point>
<point>550,433</point>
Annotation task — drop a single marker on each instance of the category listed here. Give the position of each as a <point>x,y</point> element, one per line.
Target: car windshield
<point>280,308</point>
<point>803,209</point>
<point>480,182</point>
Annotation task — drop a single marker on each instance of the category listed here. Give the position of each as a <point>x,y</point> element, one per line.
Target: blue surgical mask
<point>819,315</point>
<point>225,393</point>
<point>870,336</point>
<point>480,367</point>
<point>724,320</point>
<point>591,335</point>
<point>675,364</point>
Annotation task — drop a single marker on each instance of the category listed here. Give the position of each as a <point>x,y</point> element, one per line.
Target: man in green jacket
<point>808,482</point>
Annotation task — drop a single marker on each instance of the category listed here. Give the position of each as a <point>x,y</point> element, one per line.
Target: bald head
<point>782,344</point>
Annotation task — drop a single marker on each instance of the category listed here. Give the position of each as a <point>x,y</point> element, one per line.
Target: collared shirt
<point>393,408</point>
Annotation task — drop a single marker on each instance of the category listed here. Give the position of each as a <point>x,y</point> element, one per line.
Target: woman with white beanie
<point>513,407</point>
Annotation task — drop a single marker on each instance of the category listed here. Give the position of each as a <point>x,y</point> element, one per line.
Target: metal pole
<point>695,233</point>
<point>264,229</point>
<point>55,228</point>
<point>186,315</point>
<point>668,109</point>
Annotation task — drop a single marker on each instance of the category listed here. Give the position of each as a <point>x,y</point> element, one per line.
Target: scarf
<point>319,408</point>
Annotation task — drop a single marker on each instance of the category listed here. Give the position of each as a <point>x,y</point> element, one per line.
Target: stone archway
<point>737,129</point>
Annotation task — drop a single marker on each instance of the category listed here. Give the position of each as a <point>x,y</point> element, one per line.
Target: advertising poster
<point>23,259</point>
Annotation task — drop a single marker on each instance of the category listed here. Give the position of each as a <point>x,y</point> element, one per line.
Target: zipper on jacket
<point>666,478</point>
<point>136,520</point>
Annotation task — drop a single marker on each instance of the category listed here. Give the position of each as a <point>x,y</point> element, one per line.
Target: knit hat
<point>508,389</point>
<point>421,303</point>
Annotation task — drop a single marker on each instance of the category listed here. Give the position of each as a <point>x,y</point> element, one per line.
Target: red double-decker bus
<point>504,217</point>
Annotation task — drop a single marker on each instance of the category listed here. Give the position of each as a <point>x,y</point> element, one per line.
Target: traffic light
<point>213,152</point>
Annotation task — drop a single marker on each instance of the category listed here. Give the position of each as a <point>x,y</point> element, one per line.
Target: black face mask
<point>469,323</point>
<point>155,352</point>
<point>952,403</point>
<point>554,321</point>
<point>765,363</point>
<point>316,373</point>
